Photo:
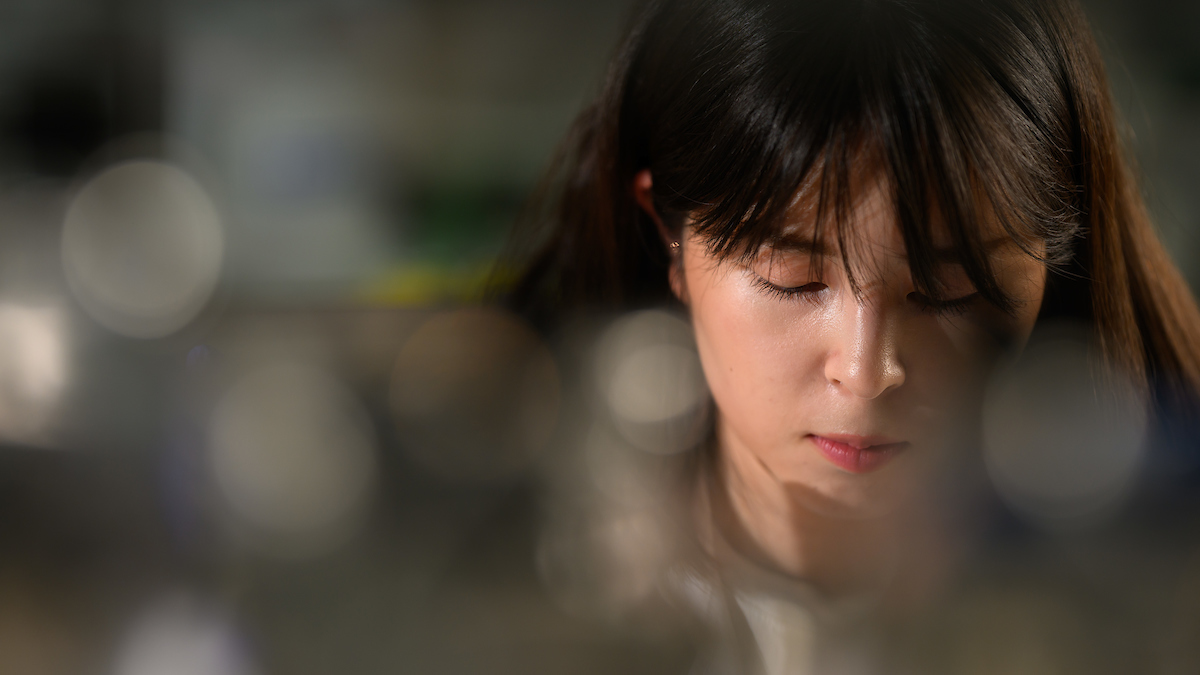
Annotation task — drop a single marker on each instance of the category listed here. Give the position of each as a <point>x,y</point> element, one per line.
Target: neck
<point>774,525</point>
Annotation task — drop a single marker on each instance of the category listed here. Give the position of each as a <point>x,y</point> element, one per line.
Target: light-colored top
<point>794,629</point>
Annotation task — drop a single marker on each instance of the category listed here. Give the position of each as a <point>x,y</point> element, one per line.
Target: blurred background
<point>249,420</point>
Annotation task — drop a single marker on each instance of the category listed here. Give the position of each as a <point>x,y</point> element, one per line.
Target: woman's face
<point>846,400</point>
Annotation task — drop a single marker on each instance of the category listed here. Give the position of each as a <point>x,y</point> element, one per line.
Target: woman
<point>859,204</point>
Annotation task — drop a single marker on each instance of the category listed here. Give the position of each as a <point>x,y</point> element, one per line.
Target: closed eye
<point>807,291</point>
<point>952,307</point>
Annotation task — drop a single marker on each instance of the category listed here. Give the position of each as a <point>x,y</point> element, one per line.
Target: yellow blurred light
<point>426,284</point>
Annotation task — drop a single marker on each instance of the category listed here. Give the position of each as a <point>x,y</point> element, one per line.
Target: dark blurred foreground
<point>331,492</point>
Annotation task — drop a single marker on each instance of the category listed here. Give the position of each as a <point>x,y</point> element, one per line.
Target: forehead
<point>866,222</point>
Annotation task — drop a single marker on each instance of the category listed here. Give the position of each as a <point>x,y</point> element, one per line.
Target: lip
<point>857,454</point>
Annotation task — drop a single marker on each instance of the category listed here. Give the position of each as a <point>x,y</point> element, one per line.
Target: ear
<point>643,194</point>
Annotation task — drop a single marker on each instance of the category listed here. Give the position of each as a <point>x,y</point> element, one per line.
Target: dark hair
<point>972,109</point>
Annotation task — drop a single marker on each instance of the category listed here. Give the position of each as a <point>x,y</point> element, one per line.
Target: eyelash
<point>808,292</point>
<point>949,308</point>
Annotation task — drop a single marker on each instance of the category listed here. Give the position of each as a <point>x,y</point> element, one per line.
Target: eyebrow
<point>797,244</point>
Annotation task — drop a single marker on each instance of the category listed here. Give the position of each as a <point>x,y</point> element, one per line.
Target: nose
<point>863,359</point>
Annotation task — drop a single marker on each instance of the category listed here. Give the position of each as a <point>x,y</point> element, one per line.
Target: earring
<point>674,247</point>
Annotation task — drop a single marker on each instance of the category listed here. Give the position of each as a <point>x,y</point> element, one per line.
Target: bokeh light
<point>475,394</point>
<point>293,454</point>
<point>650,377</point>
<point>178,634</point>
<point>233,240</point>
<point>142,246</point>
<point>1063,439</point>
<point>33,370</point>
<point>603,563</point>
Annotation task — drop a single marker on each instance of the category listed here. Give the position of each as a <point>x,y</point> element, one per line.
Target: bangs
<point>956,108</point>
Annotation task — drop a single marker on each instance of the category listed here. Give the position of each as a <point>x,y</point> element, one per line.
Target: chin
<point>851,496</point>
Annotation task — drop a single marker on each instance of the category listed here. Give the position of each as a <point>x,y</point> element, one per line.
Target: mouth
<point>857,454</point>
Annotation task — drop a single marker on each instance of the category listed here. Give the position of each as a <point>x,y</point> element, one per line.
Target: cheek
<point>946,367</point>
<point>949,363</point>
<point>759,356</point>
<point>964,353</point>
